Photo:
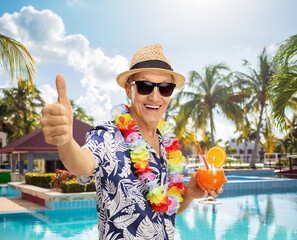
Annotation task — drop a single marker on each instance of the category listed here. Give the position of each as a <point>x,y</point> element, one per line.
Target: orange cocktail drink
<point>212,177</point>
<point>210,180</point>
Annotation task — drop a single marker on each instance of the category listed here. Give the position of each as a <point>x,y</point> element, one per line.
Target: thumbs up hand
<point>57,118</point>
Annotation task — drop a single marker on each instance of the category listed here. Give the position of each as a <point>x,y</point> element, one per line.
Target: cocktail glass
<point>210,180</point>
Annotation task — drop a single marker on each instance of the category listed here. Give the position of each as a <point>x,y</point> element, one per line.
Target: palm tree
<point>206,94</point>
<point>16,60</point>
<point>205,143</point>
<point>18,111</point>
<point>79,114</point>
<point>270,139</point>
<point>283,87</point>
<point>286,146</point>
<point>292,126</point>
<point>228,146</point>
<point>171,110</point>
<point>289,143</point>
<point>256,83</point>
<point>247,133</point>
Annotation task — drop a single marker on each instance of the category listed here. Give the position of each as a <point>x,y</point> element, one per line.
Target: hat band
<point>152,64</point>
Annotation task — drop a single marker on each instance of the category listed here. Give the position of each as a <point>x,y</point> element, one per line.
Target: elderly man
<point>134,158</point>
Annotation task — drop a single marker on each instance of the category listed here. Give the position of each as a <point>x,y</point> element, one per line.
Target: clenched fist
<point>57,118</point>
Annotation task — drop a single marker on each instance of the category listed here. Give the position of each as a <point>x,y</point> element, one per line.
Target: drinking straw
<point>206,165</point>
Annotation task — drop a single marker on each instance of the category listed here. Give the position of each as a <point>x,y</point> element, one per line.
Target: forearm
<point>185,203</point>
<point>77,160</point>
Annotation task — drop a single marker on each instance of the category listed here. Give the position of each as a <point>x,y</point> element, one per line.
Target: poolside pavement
<point>18,205</point>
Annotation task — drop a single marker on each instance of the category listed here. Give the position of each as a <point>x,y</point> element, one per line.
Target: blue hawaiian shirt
<point>123,211</point>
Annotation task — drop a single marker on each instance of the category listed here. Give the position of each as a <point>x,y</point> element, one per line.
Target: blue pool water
<point>6,191</point>
<point>261,216</point>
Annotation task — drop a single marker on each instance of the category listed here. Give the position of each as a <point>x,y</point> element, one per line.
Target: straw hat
<point>150,58</point>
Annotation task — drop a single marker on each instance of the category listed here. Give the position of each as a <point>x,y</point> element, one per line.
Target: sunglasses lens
<point>144,88</point>
<point>166,89</point>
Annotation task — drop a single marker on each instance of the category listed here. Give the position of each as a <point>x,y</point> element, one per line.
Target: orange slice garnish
<point>216,156</point>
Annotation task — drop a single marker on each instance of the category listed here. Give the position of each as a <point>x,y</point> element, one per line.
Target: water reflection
<point>63,224</point>
<point>265,216</point>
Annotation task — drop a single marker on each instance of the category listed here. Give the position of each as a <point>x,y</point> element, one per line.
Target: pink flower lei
<point>162,200</point>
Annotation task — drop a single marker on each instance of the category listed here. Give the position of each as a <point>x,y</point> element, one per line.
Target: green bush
<point>44,180</point>
<point>5,177</point>
<point>282,163</point>
<point>72,186</point>
<point>229,161</point>
<point>61,179</point>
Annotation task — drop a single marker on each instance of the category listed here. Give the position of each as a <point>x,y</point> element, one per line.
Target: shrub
<point>5,177</point>
<point>229,161</point>
<point>61,179</point>
<point>72,186</point>
<point>282,163</point>
<point>60,176</point>
<point>44,180</point>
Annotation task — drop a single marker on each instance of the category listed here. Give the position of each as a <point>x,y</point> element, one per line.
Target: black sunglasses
<point>146,88</point>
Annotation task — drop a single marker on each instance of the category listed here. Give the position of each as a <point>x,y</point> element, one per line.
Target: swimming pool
<point>260,216</point>
<point>6,191</point>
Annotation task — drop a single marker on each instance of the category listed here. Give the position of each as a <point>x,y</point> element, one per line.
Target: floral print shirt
<point>123,211</point>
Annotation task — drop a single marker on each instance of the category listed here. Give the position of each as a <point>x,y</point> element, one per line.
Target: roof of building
<point>34,142</point>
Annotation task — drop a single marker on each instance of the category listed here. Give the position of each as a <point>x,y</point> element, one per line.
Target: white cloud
<point>96,104</point>
<point>48,94</point>
<point>43,33</point>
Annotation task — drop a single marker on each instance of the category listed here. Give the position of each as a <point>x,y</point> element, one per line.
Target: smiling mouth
<point>152,107</point>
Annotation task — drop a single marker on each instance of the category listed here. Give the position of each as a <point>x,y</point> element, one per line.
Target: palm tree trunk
<point>245,150</point>
<point>211,128</point>
<point>255,152</point>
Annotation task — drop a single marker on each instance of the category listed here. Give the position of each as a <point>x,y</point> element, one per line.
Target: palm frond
<point>16,60</point>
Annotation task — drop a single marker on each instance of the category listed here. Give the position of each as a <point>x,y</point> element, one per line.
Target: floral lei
<point>162,200</point>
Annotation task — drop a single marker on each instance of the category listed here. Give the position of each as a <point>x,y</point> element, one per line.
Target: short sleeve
<point>95,143</point>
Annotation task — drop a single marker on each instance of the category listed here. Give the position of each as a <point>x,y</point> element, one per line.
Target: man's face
<point>148,109</point>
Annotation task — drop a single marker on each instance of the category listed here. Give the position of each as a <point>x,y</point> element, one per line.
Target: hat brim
<point>122,78</point>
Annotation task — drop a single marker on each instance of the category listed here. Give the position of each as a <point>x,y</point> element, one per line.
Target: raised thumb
<point>61,89</point>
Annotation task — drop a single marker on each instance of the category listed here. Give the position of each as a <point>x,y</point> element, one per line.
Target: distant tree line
<point>257,101</point>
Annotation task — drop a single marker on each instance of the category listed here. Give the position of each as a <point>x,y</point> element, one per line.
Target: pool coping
<point>53,199</point>
<point>18,205</point>
<point>50,195</point>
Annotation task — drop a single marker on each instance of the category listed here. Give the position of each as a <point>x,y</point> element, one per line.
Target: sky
<point>90,42</point>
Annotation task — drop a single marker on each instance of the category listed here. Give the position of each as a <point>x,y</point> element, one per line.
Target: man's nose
<point>154,94</point>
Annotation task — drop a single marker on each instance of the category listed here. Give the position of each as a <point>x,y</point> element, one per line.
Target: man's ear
<point>128,90</point>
